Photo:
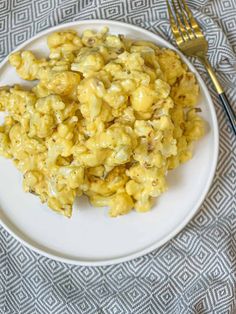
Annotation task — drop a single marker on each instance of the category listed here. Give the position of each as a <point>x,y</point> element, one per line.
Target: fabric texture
<point>193,273</point>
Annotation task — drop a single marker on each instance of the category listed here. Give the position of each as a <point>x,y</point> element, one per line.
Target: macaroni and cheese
<point>107,117</point>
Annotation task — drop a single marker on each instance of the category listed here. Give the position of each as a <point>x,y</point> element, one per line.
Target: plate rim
<point>208,184</point>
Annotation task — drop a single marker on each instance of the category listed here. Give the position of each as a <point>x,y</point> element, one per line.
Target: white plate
<point>90,237</point>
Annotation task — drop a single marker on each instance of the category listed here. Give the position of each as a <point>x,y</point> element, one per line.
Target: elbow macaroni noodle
<point>108,117</point>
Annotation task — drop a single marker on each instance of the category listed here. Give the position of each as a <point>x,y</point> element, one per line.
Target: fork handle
<point>229,110</point>
<point>223,98</point>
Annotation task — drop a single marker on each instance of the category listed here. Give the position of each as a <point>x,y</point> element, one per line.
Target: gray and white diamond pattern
<point>193,273</point>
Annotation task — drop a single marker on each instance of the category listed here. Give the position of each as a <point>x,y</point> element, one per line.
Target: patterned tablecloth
<point>193,273</point>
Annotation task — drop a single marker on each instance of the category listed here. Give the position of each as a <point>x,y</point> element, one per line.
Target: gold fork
<point>191,41</point>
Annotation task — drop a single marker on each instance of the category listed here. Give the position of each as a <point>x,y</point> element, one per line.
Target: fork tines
<point>183,24</point>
